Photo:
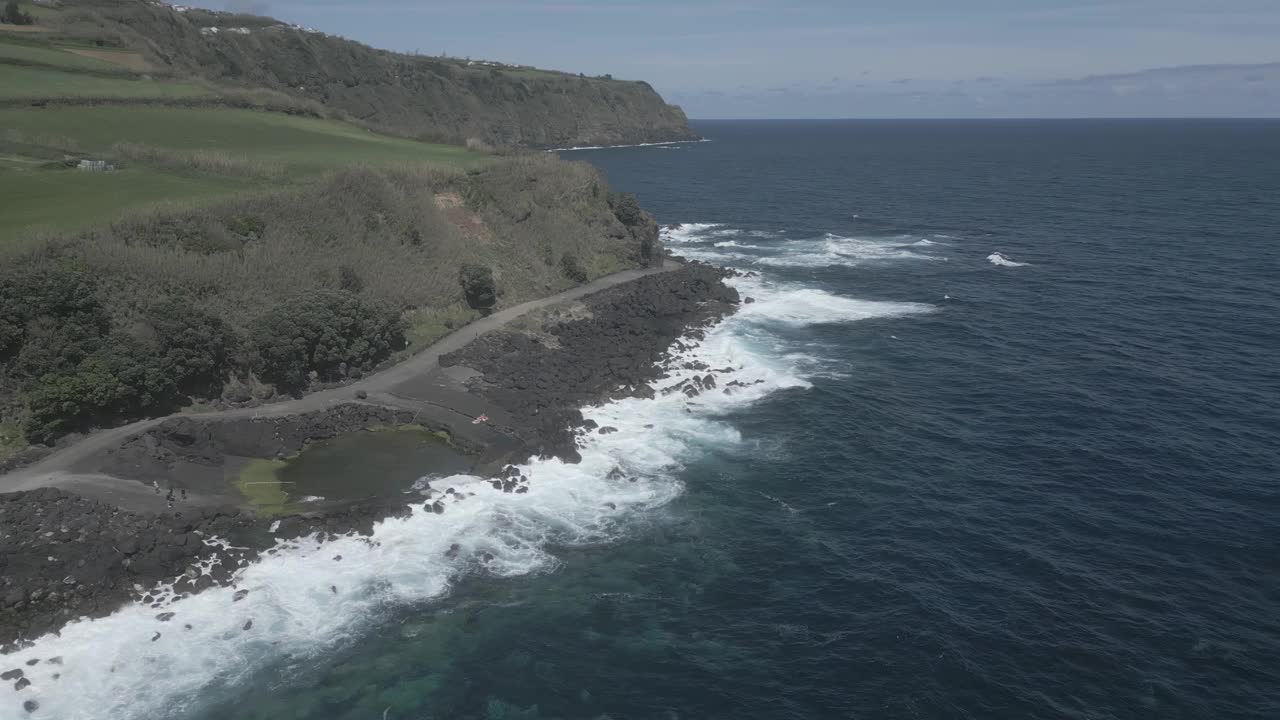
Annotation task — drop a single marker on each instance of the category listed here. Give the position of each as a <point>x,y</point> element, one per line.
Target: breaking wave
<point>308,596</point>
<point>1000,260</point>
<point>702,241</point>
<point>796,305</point>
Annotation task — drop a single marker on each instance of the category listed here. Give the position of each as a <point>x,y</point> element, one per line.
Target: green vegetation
<point>326,333</point>
<point>33,52</point>
<point>303,143</point>
<point>21,82</point>
<point>174,154</point>
<point>424,326</point>
<point>477,287</point>
<point>14,15</point>
<point>436,98</point>
<point>296,287</point>
<point>68,199</point>
<point>626,208</point>
<point>573,269</point>
<point>208,233</point>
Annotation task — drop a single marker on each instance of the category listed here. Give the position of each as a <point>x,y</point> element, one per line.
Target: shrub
<point>626,209</point>
<point>572,268</point>
<point>249,226</point>
<point>349,279</point>
<point>321,331</point>
<point>478,287</point>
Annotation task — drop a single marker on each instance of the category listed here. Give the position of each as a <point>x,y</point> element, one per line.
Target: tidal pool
<point>351,467</point>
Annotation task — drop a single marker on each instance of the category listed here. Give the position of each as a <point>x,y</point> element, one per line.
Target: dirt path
<point>56,470</point>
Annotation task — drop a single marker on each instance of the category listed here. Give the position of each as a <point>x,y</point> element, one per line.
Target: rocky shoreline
<point>64,556</point>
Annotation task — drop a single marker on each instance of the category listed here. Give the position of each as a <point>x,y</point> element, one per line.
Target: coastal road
<point>57,470</point>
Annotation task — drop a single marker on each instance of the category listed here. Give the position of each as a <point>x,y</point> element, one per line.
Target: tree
<point>478,287</point>
<point>49,318</point>
<point>120,380</point>
<point>626,209</point>
<point>14,15</point>
<point>63,401</point>
<point>322,331</point>
<point>194,347</point>
<point>572,269</point>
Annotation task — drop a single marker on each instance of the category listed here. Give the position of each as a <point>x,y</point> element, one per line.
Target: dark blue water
<point>1056,494</point>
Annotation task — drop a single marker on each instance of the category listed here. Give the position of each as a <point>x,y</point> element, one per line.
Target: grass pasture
<point>196,153</point>
<point>21,51</point>
<point>19,82</point>
<point>305,145</point>
<point>69,199</point>
<point>123,58</point>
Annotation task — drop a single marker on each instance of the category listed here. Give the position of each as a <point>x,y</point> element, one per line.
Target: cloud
<point>1185,91</point>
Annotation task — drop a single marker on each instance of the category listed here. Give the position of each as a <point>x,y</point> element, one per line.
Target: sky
<point>858,58</point>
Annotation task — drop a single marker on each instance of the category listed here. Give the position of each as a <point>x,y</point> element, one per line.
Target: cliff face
<point>426,97</point>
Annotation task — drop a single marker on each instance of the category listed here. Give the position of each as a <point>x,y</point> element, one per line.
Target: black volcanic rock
<point>627,333</point>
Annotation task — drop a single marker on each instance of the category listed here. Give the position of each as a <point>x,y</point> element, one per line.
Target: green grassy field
<point>45,54</point>
<point>68,199</point>
<point>18,82</point>
<point>65,199</point>
<point>39,12</point>
<point>304,144</point>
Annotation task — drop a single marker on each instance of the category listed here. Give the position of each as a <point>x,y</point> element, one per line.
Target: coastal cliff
<point>437,98</point>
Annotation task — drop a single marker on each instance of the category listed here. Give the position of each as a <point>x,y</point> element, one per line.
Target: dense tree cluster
<point>14,15</point>
<point>77,371</point>
<point>478,287</point>
<point>56,341</point>
<point>327,332</point>
<point>626,208</point>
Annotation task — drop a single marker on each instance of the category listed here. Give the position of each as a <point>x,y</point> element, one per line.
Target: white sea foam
<point>996,258</point>
<point>636,145</point>
<point>796,305</point>
<point>838,250</point>
<point>302,600</point>
<point>687,232</point>
<point>745,246</point>
<point>824,251</point>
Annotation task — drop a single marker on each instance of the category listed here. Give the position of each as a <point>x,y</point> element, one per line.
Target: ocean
<point>1009,447</point>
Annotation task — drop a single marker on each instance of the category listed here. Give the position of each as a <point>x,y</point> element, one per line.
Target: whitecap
<point>1000,260</point>
<point>687,232</point>
<point>796,305</point>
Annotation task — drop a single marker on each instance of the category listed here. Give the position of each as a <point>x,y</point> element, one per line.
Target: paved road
<point>57,470</point>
